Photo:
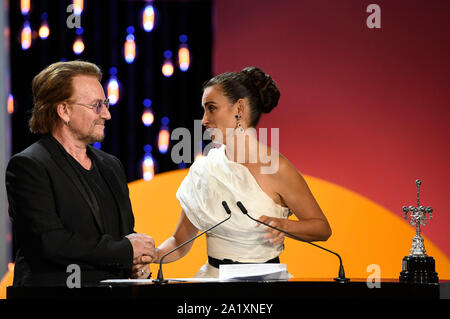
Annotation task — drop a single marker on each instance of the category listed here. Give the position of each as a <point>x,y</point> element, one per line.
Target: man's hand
<point>143,245</point>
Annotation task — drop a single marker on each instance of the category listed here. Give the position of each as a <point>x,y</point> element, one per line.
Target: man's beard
<point>91,137</point>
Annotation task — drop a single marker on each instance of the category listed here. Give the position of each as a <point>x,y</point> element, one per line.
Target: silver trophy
<point>417,267</point>
<point>418,217</point>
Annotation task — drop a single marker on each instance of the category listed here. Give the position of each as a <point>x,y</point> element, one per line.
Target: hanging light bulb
<point>25,36</point>
<point>167,68</point>
<point>147,117</point>
<point>129,50</point>
<point>113,90</point>
<point>10,106</point>
<point>78,45</point>
<point>25,7</point>
<point>163,140</point>
<point>113,87</point>
<point>147,114</point>
<point>78,6</point>
<point>183,57</point>
<point>44,30</point>
<point>183,54</point>
<point>164,136</point>
<point>148,18</point>
<point>148,167</point>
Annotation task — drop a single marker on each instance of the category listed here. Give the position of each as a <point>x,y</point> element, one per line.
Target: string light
<point>148,18</point>
<point>130,46</point>
<point>44,30</point>
<point>164,136</point>
<point>25,7</point>
<point>78,45</point>
<point>167,68</point>
<point>25,36</point>
<point>163,140</point>
<point>113,86</point>
<point>147,114</point>
<point>10,104</point>
<point>78,6</point>
<point>112,89</point>
<point>183,57</point>
<point>148,164</point>
<point>147,117</point>
<point>183,54</point>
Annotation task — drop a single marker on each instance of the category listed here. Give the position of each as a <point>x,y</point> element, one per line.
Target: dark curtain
<point>105,25</point>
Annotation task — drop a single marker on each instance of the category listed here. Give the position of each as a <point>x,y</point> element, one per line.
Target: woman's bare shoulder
<point>285,168</point>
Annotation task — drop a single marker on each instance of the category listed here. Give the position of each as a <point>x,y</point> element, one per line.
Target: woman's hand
<point>273,236</point>
<point>141,267</point>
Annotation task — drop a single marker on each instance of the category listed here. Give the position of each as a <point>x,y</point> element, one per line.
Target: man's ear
<point>64,111</point>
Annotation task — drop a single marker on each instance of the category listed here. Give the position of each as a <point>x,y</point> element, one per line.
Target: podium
<point>278,292</point>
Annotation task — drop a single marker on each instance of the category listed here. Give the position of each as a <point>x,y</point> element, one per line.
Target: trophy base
<point>419,270</point>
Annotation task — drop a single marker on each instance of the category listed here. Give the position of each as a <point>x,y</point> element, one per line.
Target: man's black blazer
<point>55,221</point>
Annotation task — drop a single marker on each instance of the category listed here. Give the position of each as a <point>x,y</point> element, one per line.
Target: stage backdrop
<point>363,113</point>
<point>365,109</point>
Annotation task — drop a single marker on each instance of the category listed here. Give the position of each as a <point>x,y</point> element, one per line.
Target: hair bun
<point>265,87</point>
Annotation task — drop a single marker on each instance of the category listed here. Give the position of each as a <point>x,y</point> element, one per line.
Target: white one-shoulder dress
<point>213,179</point>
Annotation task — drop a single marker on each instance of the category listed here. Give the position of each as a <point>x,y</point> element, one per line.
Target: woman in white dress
<point>270,187</point>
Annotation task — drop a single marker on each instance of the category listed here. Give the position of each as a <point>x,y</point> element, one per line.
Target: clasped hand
<point>141,267</point>
<point>143,254</point>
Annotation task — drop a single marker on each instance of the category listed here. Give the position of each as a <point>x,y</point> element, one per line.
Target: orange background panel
<point>364,232</point>
<point>7,280</point>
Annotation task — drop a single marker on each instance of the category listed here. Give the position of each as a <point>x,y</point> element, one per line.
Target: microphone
<point>160,279</point>
<point>341,276</point>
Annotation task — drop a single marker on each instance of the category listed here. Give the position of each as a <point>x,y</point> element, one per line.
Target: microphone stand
<point>160,278</point>
<point>341,275</point>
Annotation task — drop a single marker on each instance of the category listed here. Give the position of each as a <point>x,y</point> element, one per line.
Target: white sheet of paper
<point>146,281</point>
<point>254,272</point>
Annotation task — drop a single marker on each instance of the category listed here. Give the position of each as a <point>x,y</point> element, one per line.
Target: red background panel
<point>368,109</point>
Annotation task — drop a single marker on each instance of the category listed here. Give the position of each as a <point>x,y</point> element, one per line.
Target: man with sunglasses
<point>69,202</point>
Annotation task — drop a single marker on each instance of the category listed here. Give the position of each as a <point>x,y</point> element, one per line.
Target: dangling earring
<point>240,128</point>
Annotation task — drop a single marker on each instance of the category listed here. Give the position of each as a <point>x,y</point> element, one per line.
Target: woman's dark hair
<point>252,83</point>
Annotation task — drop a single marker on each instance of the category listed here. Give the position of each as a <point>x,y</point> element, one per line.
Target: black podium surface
<point>278,291</point>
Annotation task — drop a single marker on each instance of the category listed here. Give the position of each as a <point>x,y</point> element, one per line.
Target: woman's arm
<point>312,225</point>
<point>184,231</point>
